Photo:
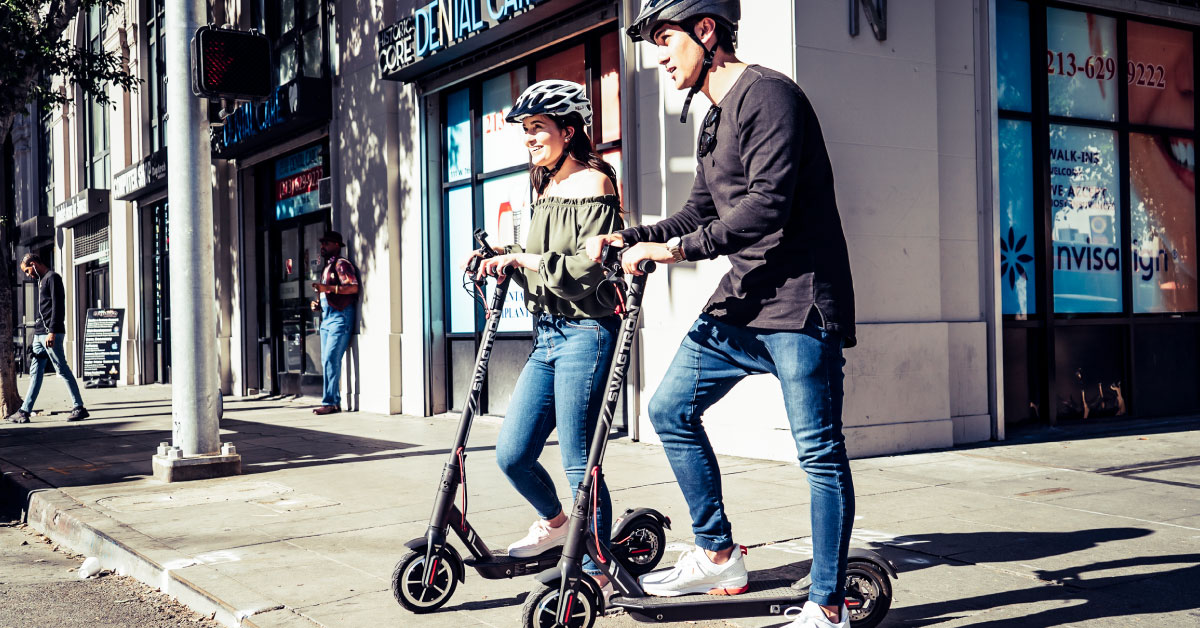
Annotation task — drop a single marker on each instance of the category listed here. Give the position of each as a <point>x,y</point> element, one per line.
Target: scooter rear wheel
<point>642,548</point>
<point>410,587</point>
<point>541,608</point>
<point>868,594</point>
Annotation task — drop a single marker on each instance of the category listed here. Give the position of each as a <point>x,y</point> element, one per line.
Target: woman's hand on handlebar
<point>497,265</point>
<point>498,250</point>
<point>594,246</point>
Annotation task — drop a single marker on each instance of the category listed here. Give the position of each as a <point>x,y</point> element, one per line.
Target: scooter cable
<point>462,475</point>
<point>596,512</point>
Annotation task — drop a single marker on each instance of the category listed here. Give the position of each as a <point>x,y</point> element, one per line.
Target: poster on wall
<point>1162,179</point>
<point>1084,194</point>
<point>1017,269</point>
<point>296,178</point>
<point>1081,63</point>
<point>1159,74</point>
<point>506,204</point>
<point>102,347</point>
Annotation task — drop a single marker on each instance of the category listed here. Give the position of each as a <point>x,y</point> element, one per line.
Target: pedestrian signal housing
<point>230,64</point>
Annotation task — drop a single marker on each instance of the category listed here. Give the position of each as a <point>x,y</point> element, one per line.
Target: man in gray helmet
<point>763,197</point>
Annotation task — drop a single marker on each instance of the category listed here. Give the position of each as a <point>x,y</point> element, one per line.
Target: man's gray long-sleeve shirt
<point>764,197</point>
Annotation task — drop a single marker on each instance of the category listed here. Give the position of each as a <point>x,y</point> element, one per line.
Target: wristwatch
<point>675,246</point>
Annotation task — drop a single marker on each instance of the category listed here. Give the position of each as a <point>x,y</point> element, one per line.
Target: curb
<point>84,531</point>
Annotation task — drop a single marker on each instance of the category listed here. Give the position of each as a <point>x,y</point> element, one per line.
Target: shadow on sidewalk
<point>77,454</point>
<point>1079,599</point>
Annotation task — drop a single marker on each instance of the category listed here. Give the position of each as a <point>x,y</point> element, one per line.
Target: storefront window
<point>296,178</point>
<point>1017,241</point>
<point>505,217</point>
<point>502,142</point>
<point>610,89</point>
<point>1012,49</point>
<point>1159,74</point>
<point>567,65</point>
<point>1085,191</point>
<point>1162,178</point>
<point>459,221</point>
<point>156,86</point>
<point>297,31</point>
<point>1081,62</point>
<point>458,135</point>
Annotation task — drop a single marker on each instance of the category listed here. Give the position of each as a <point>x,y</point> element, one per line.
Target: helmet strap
<point>704,68</point>
<point>558,166</point>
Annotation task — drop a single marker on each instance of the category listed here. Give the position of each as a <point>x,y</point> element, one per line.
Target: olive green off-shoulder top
<point>566,279</point>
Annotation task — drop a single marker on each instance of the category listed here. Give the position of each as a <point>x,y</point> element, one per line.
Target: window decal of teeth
<point>1184,151</point>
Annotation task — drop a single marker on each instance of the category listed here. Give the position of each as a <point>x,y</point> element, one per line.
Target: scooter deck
<point>765,597</point>
<point>500,565</point>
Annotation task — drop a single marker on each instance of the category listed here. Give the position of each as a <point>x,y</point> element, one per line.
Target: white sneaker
<point>541,537</point>
<point>811,616</point>
<point>695,573</point>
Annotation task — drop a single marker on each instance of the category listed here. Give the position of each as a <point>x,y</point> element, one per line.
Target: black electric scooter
<point>565,598</point>
<point>425,578</point>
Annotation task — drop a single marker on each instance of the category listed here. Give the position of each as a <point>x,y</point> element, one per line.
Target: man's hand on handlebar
<point>594,246</point>
<point>654,251</point>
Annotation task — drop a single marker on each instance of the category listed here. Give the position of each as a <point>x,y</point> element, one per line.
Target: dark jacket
<point>51,310</point>
<point>764,197</point>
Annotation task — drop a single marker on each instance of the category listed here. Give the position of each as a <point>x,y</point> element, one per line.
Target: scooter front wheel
<point>541,609</point>
<point>868,594</point>
<point>417,593</point>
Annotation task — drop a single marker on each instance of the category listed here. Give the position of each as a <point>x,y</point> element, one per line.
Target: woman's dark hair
<point>579,148</point>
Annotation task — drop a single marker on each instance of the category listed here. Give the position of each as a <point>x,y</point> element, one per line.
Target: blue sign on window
<point>1017,248</point>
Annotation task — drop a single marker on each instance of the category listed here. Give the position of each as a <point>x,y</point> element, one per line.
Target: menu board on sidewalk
<point>102,347</point>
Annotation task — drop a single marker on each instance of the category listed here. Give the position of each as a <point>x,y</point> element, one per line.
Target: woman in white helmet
<point>561,384</point>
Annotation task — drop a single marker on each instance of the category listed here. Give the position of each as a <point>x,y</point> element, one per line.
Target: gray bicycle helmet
<point>552,98</point>
<point>655,12</point>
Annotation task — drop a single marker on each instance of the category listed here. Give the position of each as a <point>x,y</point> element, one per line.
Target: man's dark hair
<point>725,39</point>
<point>31,257</point>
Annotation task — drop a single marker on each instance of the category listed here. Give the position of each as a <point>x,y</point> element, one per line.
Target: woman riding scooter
<point>574,333</point>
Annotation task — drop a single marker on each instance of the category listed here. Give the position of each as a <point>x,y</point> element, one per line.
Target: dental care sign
<point>438,25</point>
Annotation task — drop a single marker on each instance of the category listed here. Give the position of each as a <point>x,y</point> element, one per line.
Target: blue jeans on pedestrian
<point>808,363</point>
<point>336,327</point>
<point>37,368</point>
<point>560,387</point>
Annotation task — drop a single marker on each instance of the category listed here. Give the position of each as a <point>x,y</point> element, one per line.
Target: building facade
<point>1022,243</point>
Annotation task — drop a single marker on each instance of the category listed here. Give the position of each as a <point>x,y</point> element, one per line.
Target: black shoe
<point>78,414</point>
<point>20,416</point>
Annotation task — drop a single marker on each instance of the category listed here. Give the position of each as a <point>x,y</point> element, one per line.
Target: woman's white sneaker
<point>811,616</point>
<point>541,537</point>
<point>695,573</point>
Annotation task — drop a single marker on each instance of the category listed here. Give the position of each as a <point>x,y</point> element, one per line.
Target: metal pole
<point>195,394</point>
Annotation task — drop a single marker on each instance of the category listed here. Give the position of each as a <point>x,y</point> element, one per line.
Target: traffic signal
<point>230,64</point>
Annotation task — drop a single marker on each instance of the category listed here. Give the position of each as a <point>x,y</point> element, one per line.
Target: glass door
<point>298,367</point>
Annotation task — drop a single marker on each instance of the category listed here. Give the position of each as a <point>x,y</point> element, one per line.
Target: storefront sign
<point>296,178</point>
<point>146,176</point>
<point>102,347</point>
<point>438,26</point>
<point>252,126</point>
<point>80,207</point>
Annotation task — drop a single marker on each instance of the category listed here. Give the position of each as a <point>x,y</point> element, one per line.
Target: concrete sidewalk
<point>1098,527</point>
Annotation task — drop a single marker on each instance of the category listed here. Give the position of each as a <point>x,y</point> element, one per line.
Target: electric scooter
<point>567,598</point>
<point>425,578</point>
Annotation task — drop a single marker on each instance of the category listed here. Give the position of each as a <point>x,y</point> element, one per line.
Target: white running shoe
<point>541,537</point>
<point>811,616</point>
<point>695,573</point>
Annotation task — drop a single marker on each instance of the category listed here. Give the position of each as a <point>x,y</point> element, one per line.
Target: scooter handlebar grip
<point>646,266</point>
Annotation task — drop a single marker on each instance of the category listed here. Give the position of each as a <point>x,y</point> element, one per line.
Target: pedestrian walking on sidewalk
<point>560,387</point>
<point>337,299</point>
<point>49,336</point>
<point>764,198</point>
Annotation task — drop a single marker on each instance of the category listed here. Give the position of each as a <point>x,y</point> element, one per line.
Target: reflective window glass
<point>1017,242</point>
<point>458,135</point>
<point>1085,193</point>
<point>1159,74</point>
<point>1162,176</point>
<point>1081,64</point>
<point>1012,54</point>
<point>503,143</point>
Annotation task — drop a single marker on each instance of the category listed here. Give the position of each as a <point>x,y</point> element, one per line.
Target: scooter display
<point>425,578</point>
<point>566,598</point>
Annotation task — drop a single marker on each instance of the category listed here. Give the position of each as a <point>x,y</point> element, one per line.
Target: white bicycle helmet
<point>552,98</point>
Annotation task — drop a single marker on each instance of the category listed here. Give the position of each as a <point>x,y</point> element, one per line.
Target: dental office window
<point>486,164</point>
<point>1097,206</point>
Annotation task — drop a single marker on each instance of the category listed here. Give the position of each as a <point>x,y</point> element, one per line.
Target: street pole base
<point>170,465</point>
